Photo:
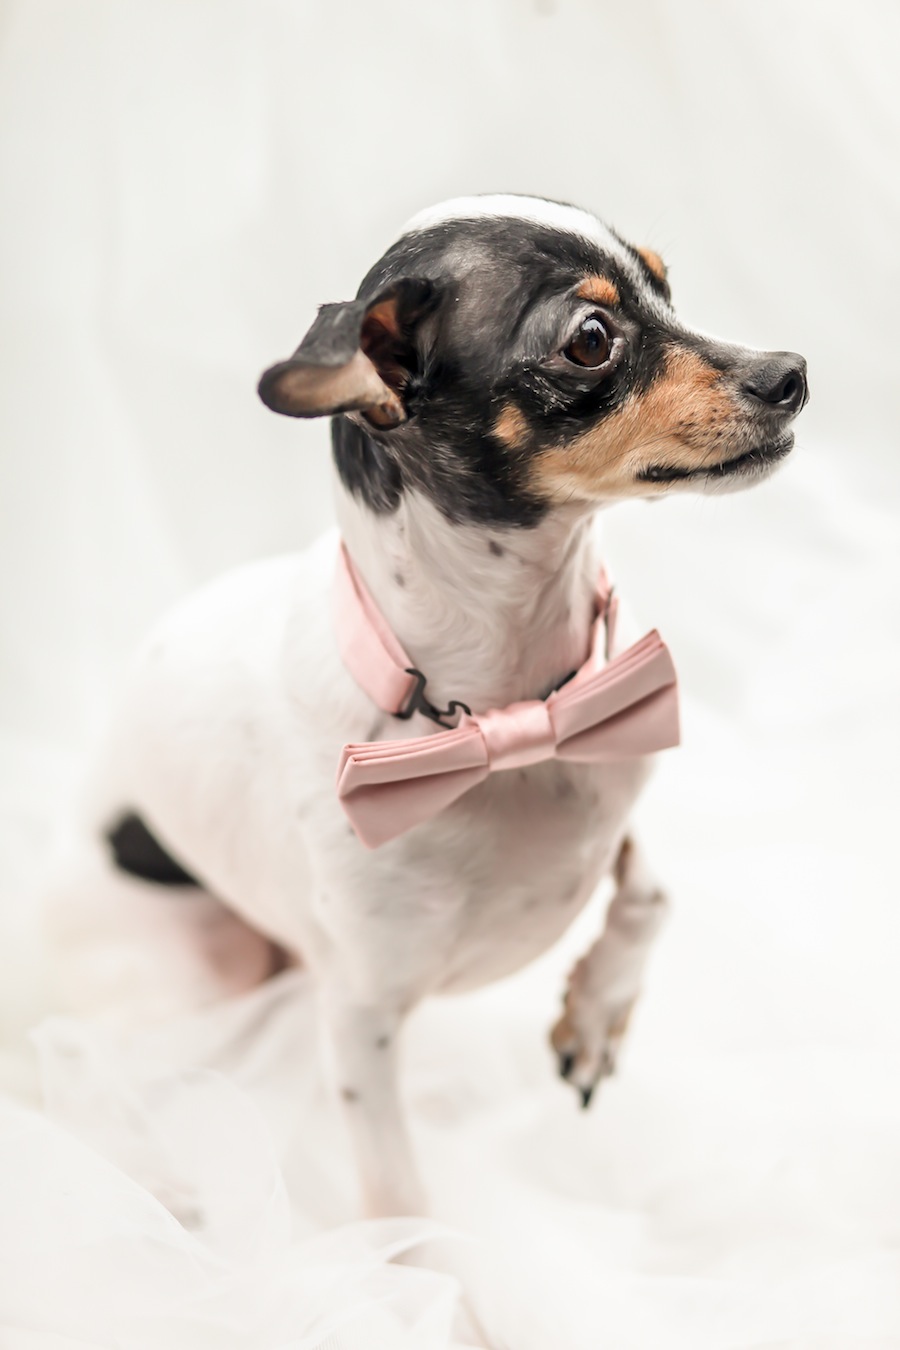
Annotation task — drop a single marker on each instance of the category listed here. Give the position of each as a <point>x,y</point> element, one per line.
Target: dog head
<point>508,354</point>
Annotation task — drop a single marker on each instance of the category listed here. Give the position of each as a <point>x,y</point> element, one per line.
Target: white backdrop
<point>182,182</point>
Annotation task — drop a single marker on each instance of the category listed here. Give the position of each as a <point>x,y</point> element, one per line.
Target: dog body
<point>509,366</point>
<point>232,725</point>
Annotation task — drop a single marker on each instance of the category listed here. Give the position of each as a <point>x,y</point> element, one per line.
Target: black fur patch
<point>366,468</point>
<point>506,306</point>
<point>139,852</point>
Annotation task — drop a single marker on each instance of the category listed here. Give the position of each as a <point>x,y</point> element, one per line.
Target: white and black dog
<point>508,366</point>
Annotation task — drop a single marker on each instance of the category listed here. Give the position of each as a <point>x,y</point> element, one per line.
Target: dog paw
<point>587,1041</point>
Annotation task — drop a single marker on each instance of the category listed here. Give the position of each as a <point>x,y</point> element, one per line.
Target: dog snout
<point>778,381</point>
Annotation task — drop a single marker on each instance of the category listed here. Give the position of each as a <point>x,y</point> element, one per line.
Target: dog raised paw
<point>587,1041</point>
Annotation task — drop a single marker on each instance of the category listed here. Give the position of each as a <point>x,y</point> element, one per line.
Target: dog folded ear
<point>358,357</point>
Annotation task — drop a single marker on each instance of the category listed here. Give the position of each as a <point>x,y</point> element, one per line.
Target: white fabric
<point>181,185</point>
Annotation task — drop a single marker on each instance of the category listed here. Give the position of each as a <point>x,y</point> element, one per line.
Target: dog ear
<point>357,357</point>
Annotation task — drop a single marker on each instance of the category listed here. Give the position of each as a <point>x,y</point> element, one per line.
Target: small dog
<point>508,366</point>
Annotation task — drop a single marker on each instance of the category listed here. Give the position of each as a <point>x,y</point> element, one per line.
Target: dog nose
<point>778,379</point>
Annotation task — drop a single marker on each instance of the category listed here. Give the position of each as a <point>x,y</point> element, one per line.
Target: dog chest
<point>493,880</point>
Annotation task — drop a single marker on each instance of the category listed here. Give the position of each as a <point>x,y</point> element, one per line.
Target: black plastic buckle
<point>419,703</point>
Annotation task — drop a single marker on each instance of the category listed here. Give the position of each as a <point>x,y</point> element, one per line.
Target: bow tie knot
<point>518,735</point>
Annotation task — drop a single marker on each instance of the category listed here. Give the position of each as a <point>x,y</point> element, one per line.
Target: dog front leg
<point>364,1043</point>
<point>605,984</point>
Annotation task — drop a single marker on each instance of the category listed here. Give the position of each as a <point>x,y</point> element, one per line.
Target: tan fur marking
<point>654,262</point>
<point>382,316</point>
<point>599,289</point>
<point>684,420</point>
<point>511,427</point>
<point>623,860</point>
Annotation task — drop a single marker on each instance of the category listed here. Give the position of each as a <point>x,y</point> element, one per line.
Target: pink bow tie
<point>608,711</point>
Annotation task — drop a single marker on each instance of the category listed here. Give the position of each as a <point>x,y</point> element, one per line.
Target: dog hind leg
<point>131,948</point>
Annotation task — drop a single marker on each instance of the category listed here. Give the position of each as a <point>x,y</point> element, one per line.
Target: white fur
<point>554,215</point>
<point>227,742</point>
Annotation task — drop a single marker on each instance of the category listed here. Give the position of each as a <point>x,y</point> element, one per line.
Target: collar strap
<point>381,667</point>
<point>367,645</point>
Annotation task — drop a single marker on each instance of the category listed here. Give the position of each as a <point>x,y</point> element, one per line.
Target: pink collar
<point>610,709</point>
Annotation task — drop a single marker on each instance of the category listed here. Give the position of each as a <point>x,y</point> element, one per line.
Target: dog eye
<point>591,344</point>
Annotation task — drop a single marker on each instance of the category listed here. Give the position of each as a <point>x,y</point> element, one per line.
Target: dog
<point>509,366</point>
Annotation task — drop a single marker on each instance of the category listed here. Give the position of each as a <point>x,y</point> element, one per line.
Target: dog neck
<point>489,615</point>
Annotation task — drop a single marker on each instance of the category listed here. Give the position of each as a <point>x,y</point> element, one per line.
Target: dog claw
<point>580,1061</point>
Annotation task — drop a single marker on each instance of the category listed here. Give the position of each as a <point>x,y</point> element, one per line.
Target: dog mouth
<point>753,461</point>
